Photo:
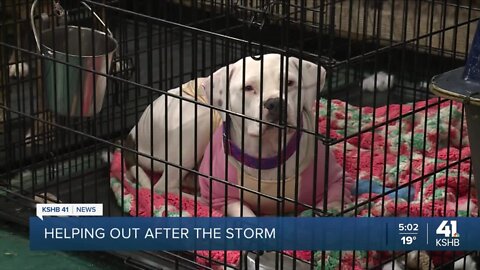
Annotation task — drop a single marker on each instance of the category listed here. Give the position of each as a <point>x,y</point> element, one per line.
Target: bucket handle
<point>98,18</point>
<point>34,28</point>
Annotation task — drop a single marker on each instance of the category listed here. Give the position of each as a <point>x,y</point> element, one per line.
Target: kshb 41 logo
<point>448,229</point>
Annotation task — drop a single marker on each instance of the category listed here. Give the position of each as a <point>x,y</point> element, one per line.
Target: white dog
<point>279,101</point>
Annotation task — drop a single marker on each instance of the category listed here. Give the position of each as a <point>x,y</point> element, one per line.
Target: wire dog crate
<point>406,149</point>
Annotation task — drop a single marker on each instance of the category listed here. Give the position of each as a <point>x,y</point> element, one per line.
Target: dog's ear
<point>215,87</point>
<point>310,76</point>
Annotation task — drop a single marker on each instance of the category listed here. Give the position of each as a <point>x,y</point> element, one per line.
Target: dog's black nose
<point>273,105</point>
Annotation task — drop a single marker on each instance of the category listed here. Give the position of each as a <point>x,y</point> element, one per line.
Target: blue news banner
<point>265,233</point>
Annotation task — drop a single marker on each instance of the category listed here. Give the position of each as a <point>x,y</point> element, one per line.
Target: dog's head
<point>269,89</point>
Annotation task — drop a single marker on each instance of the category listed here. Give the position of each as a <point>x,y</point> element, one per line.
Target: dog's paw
<point>18,70</point>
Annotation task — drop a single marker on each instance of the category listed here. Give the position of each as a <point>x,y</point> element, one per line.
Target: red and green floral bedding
<point>418,153</point>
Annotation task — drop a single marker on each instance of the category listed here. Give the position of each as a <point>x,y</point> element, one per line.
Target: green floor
<point>15,254</point>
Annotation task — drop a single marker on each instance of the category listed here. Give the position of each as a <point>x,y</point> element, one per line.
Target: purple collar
<point>253,162</point>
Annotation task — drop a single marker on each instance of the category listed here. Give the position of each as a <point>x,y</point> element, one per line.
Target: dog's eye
<point>290,83</point>
<point>248,88</point>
